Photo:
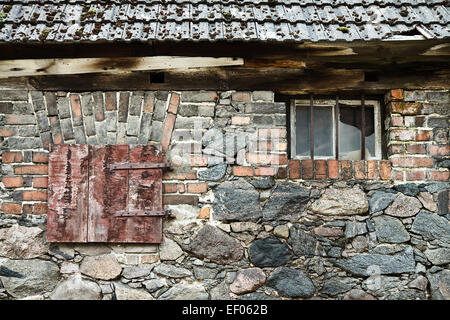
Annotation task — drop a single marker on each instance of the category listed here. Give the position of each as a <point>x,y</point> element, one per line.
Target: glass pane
<point>350,132</point>
<point>323,131</point>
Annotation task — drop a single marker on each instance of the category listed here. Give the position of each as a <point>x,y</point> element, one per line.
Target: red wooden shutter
<point>121,192</point>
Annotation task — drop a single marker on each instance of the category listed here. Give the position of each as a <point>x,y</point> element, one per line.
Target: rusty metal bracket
<point>143,165</point>
<point>143,213</point>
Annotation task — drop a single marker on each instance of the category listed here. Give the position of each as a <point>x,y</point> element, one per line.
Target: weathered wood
<point>68,193</point>
<point>58,66</point>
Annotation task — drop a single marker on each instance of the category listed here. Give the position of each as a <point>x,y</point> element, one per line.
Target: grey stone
<point>23,143</point>
<point>407,294</point>
<point>257,296</point>
<point>440,285</point>
<point>341,201</point>
<point>358,294</point>
<point>427,201</point>
<point>431,226</point>
<point>214,173</point>
<point>145,130</point>
<point>269,252</point>
<point>42,121</point>
<point>76,288</point>
<point>89,125</point>
<point>439,256</point>
<point>139,271</point>
<point>79,134</point>
<point>352,229</point>
<point>92,249</point>
<point>236,201</point>
<point>220,292</point>
<point>291,283</point>
<point>364,264</point>
<point>19,242</point>
<point>263,183</point>
<point>335,287</point>
<point>105,267</point>
<point>380,200</point>
<point>67,129</point>
<point>136,104</point>
<point>359,243</point>
<point>63,107</point>
<point>404,206</point>
<point>216,245</point>
<point>303,244</point>
<point>204,273</point>
<point>124,292</point>
<point>262,120</point>
<point>442,203</point>
<point>157,128</point>
<point>248,280</point>
<point>408,189</point>
<point>185,291</point>
<point>437,186</point>
<point>155,284</point>
<point>287,202</point>
<point>199,96</point>
<point>110,118</point>
<point>188,110</point>
<point>23,278</point>
<point>419,283</point>
<point>28,131</point>
<point>38,100</point>
<point>192,123</point>
<point>172,271</point>
<point>265,107</point>
<point>62,251</point>
<point>169,250</point>
<point>133,125</point>
<point>281,231</point>
<point>391,230</point>
<point>335,252</point>
<point>87,104</point>
<point>263,96</point>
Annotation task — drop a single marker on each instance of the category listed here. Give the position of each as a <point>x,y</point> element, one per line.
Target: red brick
<point>439,175</point>
<point>413,175</point>
<point>416,149</point>
<point>169,187</point>
<point>280,146</point>
<point>403,135</point>
<point>40,208</point>
<point>406,108</point>
<point>333,169</point>
<point>40,157</point>
<point>265,171</point>
<point>419,121</point>
<point>397,94</point>
<point>181,188</point>
<point>385,170</point>
<point>396,121</point>
<point>57,138</point>
<point>75,104</point>
<point>272,133</point>
<point>241,96</point>
<point>110,101</point>
<point>20,119</point>
<point>372,169</point>
<point>27,208</point>
<point>174,103</point>
<point>204,213</point>
<point>10,157</point>
<point>346,169</point>
<point>149,100</point>
<point>396,149</point>
<point>32,169</point>
<point>265,145</point>
<point>412,162</point>
<point>199,161</point>
<point>398,175</point>
<point>6,132</point>
<point>40,182</point>
<point>424,135</point>
<point>360,169</point>
<point>307,169</point>
<point>266,158</point>
<point>439,150</point>
<point>240,120</point>
<point>321,169</point>
<point>281,173</point>
<point>180,199</point>
<point>12,182</point>
<point>243,171</point>
<point>167,131</point>
<point>11,208</point>
<point>35,195</point>
<point>180,175</point>
<point>294,169</point>
<point>197,187</point>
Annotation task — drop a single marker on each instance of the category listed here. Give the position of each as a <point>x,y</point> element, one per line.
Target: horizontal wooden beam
<point>37,67</point>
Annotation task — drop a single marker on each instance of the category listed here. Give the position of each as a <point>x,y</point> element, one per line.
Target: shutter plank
<point>68,193</point>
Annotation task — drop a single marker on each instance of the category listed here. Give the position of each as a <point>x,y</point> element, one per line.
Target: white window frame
<point>332,103</point>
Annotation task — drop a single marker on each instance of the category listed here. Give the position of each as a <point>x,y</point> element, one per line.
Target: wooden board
<point>68,193</point>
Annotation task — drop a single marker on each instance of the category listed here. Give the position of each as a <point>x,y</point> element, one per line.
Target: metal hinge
<point>143,165</point>
<point>143,213</point>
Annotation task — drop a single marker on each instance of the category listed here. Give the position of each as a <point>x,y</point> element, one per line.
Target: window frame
<point>331,102</point>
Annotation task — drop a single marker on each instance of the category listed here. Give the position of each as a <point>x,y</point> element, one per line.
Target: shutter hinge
<point>143,213</point>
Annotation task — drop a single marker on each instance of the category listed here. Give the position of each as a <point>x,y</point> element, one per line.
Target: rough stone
<point>103,267</point>
<point>155,284</point>
<point>184,215</point>
<point>69,267</point>
<point>215,245</point>
<point>407,294</point>
<point>431,226</point>
<point>439,256</point>
<point>419,283</point>
<point>236,201</point>
<point>352,229</point>
<point>404,206</point>
<point>359,243</point>
<point>124,292</point>
<point>335,287</point>
<point>391,230</point>
<point>358,294</point>
<point>136,271</point>
<point>287,202</point>
<point>185,291</point>
<point>62,251</point>
<point>169,250</point>
<point>76,288</point>
<point>341,201</point>
<point>409,189</point>
<point>214,173</point>
<point>291,283</point>
<point>440,285</point>
<point>303,244</point>
<point>380,200</point>
<point>427,201</point>
<point>365,264</point>
<point>172,271</point>
<point>92,250</point>
<point>269,252</point>
<point>23,278</point>
<point>204,273</point>
<point>220,292</point>
<point>281,231</point>
<point>18,242</point>
<point>263,183</point>
<point>244,226</point>
<point>248,280</point>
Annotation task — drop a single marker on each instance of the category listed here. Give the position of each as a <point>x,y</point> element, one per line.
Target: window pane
<point>323,131</point>
<point>350,132</point>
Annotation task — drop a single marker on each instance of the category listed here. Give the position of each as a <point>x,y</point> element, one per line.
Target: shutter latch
<point>143,213</point>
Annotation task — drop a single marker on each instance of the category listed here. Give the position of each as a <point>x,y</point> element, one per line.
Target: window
<point>335,129</point>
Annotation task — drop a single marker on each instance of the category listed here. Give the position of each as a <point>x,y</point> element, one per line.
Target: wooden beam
<point>36,67</point>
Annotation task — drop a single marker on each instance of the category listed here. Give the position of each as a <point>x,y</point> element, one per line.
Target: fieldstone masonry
<point>249,223</point>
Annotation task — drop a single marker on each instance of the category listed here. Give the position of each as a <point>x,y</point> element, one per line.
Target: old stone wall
<point>248,223</point>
